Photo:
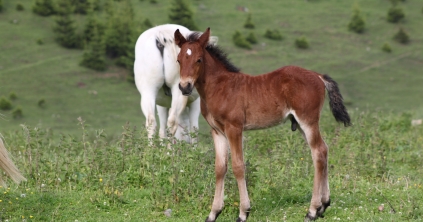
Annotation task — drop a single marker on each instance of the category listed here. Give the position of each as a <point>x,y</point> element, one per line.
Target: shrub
<point>302,43</point>
<point>402,36</point>
<point>1,5</point>
<point>40,42</point>
<point>5,104</point>
<point>240,41</point>
<point>17,113</point>
<point>357,23</point>
<point>251,38</point>
<point>249,24</point>
<point>12,96</point>
<point>41,103</point>
<point>386,47</point>
<point>44,7</point>
<point>273,34</point>
<point>395,14</point>
<point>19,7</point>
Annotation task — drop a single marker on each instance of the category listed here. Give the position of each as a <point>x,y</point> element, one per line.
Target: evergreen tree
<point>301,43</point>
<point>395,14</point>
<point>119,30</point>
<point>94,57</point>
<point>96,5</point>
<point>81,6</point>
<point>273,34</point>
<point>386,47</point>
<point>127,61</point>
<point>180,13</point>
<point>19,7</point>
<point>147,23</point>
<point>402,36</point>
<point>240,41</point>
<point>251,38</point>
<point>65,28</point>
<point>357,23</point>
<point>91,24</point>
<point>44,7</point>
<point>249,23</point>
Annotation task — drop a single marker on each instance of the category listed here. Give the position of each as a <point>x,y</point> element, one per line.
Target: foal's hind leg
<point>319,151</point>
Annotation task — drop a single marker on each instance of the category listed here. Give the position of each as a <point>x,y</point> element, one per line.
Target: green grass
<point>376,162</point>
<point>370,79</point>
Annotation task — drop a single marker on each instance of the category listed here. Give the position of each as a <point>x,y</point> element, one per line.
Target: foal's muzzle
<point>187,90</point>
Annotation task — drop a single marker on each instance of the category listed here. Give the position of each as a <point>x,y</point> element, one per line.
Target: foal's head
<point>190,59</point>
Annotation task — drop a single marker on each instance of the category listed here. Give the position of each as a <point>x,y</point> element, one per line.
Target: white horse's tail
<point>8,166</point>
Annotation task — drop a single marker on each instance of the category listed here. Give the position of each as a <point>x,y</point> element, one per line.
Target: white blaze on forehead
<point>189,51</point>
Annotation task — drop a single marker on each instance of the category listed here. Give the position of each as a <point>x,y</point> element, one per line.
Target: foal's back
<point>270,98</point>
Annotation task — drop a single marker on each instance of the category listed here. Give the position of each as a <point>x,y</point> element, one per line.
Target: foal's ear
<point>179,38</point>
<point>204,38</point>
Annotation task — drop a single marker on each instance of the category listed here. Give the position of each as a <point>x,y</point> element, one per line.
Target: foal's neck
<point>213,76</point>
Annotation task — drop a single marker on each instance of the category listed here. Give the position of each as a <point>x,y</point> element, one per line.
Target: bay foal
<point>232,102</point>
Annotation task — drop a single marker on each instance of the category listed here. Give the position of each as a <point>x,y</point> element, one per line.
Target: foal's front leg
<point>221,166</point>
<point>234,135</point>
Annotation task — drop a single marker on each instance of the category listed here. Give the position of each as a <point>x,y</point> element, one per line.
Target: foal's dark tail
<point>335,101</point>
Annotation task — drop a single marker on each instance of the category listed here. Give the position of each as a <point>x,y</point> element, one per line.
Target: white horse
<point>157,79</point>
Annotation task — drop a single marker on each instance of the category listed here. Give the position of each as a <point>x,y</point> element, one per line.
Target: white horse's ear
<point>213,40</point>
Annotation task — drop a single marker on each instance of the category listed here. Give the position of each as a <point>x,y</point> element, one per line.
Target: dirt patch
<point>113,72</point>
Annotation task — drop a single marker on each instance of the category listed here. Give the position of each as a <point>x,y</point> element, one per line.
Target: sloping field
<point>370,79</point>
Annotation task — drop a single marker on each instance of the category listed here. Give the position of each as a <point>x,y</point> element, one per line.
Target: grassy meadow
<point>375,175</point>
<point>99,167</point>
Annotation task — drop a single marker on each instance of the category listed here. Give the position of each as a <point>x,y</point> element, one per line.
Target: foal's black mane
<point>216,52</point>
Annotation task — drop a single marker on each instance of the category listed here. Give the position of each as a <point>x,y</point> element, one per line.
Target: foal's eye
<point>199,60</point>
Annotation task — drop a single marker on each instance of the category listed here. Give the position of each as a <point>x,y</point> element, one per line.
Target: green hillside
<point>370,79</point>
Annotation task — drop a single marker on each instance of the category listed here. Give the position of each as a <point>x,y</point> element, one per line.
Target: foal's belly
<point>262,120</point>
<point>264,123</point>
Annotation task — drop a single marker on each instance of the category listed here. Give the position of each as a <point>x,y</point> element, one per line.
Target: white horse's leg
<point>182,133</point>
<point>148,104</point>
<point>178,105</point>
<point>194,113</point>
<point>162,112</point>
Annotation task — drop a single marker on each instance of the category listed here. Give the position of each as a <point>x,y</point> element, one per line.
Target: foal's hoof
<point>323,208</point>
<point>217,215</point>
<point>309,218</point>
<point>240,220</point>
<point>319,212</point>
